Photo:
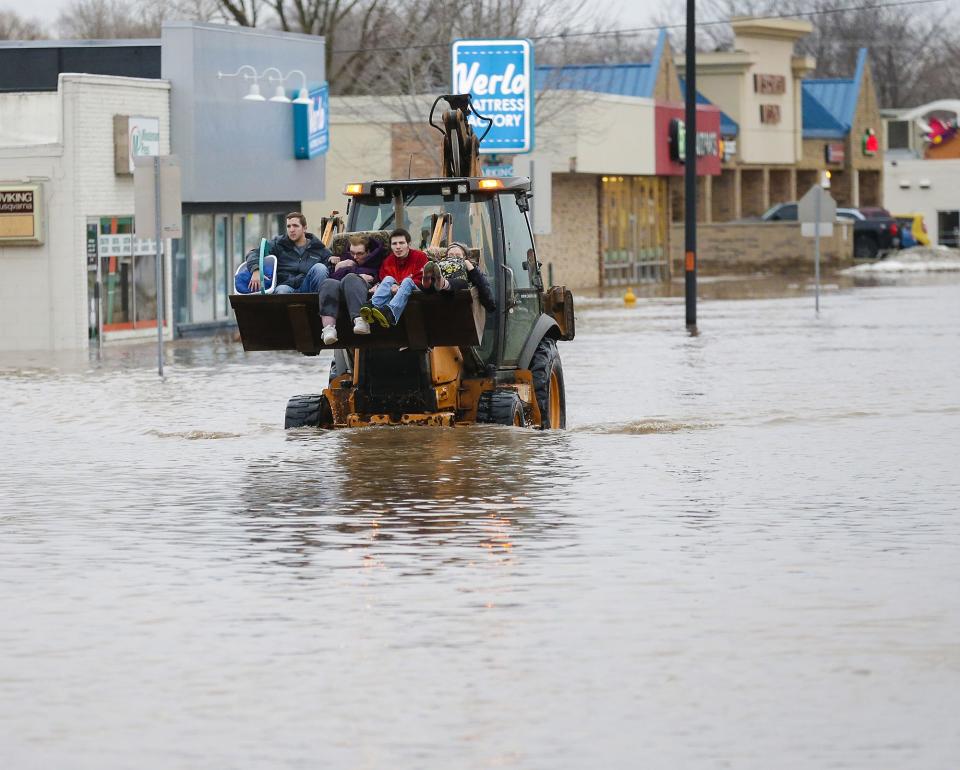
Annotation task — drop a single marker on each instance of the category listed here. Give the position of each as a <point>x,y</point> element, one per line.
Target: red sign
<point>668,119</point>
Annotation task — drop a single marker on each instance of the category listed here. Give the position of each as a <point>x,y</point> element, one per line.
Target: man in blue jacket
<point>303,262</point>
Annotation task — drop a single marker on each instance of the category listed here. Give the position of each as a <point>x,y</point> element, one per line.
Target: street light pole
<point>690,172</point>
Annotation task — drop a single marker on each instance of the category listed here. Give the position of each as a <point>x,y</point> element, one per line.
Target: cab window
<point>518,243</point>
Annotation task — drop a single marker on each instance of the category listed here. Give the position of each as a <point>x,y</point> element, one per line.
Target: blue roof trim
<point>830,104</point>
<point>620,79</point>
<point>728,126</point>
<point>858,82</point>
<point>655,62</point>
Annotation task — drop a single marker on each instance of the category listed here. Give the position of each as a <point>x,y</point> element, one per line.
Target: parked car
<point>875,232</point>
<point>917,226</point>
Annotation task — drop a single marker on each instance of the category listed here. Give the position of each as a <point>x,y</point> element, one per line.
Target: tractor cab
<point>447,361</point>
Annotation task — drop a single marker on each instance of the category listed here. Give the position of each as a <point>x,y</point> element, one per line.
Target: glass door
<point>202,284</point>
<point>128,276</point>
<point>948,228</point>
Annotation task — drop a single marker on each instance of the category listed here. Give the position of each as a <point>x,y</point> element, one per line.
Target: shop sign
<point>134,136</point>
<point>835,152</point>
<point>729,149</point>
<point>20,214</point>
<point>92,247</point>
<point>497,169</point>
<point>769,84</point>
<point>125,245</point>
<point>497,74</point>
<point>311,125</point>
<point>707,143</point>
<point>770,114</point>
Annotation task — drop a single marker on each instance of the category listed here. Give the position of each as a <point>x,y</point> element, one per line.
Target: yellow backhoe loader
<point>448,362</point>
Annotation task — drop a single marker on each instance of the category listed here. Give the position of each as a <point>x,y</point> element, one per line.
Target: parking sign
<point>497,74</point>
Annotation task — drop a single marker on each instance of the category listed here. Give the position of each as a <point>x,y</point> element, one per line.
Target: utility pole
<point>690,172</point>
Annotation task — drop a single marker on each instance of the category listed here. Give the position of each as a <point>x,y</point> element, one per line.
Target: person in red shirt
<point>401,274</point>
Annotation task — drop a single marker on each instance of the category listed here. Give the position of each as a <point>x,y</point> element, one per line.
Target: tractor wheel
<point>548,384</point>
<point>501,407</point>
<point>308,411</point>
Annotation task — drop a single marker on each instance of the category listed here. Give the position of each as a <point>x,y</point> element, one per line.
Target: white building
<point>66,182</point>
<point>923,166</point>
<point>53,144</point>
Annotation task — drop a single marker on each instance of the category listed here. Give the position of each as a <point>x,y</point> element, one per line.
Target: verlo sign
<point>497,74</point>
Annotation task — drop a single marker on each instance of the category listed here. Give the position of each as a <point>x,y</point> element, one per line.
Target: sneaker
<point>432,277</point>
<point>380,315</point>
<point>329,335</point>
<point>360,326</point>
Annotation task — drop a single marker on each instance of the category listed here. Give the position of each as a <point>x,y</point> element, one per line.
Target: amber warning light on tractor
<point>353,189</point>
<point>491,184</point>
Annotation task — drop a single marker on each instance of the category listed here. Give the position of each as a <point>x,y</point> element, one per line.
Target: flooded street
<point>744,553</point>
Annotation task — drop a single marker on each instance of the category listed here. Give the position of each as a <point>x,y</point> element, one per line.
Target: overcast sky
<point>619,13</point>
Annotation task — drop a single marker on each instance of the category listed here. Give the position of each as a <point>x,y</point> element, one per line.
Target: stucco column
<point>737,194</point>
<point>766,188</point>
<point>855,187</point>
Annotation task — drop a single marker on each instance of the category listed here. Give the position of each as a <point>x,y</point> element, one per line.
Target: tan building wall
<point>770,43</point>
<point>751,246</point>
<point>573,248</point>
<point>867,115</point>
<point>358,153</point>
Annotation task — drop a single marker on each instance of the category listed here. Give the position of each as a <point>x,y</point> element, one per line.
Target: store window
<point>127,275</point>
<point>633,229</point>
<point>206,259</point>
<point>948,228</point>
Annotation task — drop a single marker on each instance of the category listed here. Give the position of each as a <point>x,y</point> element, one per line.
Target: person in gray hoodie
<point>303,262</point>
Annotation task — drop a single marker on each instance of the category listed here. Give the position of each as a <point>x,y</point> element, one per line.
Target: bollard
<point>629,298</point>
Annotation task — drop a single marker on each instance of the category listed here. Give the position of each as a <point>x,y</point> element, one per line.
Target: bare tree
<point>104,19</point>
<point>910,57</point>
<point>13,26</point>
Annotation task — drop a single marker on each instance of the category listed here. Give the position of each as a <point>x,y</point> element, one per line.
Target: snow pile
<point>919,259</point>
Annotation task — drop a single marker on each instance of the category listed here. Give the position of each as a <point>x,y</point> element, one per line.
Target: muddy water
<point>742,554</point>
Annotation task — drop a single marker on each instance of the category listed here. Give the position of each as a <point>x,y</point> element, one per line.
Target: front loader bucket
<point>292,322</point>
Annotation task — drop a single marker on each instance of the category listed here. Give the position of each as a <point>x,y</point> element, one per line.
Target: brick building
<point>45,299</point>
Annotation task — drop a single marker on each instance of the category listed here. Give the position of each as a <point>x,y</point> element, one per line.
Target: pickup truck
<point>875,232</point>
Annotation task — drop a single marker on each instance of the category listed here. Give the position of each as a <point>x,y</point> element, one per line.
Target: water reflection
<point>449,495</point>
<point>730,518</point>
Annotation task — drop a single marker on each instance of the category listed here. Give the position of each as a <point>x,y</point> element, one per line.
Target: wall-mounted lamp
<point>273,75</point>
<point>924,184</point>
<point>904,184</point>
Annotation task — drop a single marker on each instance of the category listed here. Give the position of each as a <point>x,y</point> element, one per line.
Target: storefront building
<point>791,131</point>
<point>922,165</point>
<point>239,169</point>
<point>604,171</point>
<point>82,212</point>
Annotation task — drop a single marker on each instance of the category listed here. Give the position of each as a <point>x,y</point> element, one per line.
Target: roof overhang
<point>770,29</point>
<point>718,63</point>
